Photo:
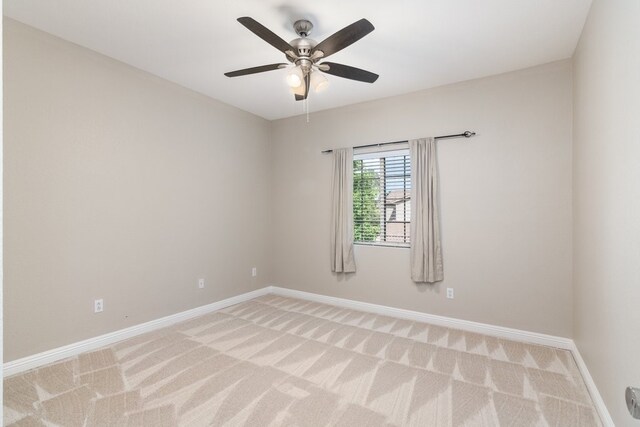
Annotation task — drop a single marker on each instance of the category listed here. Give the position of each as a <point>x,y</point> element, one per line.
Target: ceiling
<point>417,44</point>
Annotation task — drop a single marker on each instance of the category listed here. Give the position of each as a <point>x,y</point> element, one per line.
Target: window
<point>382,198</point>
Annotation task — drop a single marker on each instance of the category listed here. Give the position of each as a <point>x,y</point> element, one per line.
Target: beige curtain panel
<point>426,253</point>
<point>342,259</point>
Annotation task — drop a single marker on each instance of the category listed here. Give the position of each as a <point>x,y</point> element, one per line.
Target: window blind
<point>382,198</point>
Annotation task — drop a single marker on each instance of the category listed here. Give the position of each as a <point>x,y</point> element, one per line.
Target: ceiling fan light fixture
<point>319,82</point>
<point>294,78</point>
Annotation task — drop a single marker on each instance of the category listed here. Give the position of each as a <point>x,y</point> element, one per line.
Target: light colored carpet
<point>277,361</point>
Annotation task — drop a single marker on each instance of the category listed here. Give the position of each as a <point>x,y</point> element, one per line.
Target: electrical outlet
<point>201,283</point>
<point>98,306</point>
<point>254,272</point>
<point>450,293</point>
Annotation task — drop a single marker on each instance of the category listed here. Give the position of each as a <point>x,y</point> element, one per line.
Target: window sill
<point>384,245</point>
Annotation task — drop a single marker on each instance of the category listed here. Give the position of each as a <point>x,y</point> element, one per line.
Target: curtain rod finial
<point>468,134</point>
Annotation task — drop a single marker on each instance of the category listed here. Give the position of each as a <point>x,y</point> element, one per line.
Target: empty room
<point>297,213</point>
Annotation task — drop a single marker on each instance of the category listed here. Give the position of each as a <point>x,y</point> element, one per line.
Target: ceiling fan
<point>305,54</point>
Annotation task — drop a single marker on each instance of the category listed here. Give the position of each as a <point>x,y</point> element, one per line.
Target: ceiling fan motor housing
<point>303,46</point>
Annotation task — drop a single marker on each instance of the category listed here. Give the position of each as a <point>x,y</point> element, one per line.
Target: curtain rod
<point>465,134</point>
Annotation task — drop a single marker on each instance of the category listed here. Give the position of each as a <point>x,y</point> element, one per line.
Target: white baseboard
<point>449,322</point>
<point>56,354</point>
<point>605,416</point>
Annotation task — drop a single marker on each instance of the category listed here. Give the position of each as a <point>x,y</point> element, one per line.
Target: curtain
<point>342,259</point>
<point>426,254</point>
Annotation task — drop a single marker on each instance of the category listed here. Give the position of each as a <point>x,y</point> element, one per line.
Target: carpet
<point>276,361</point>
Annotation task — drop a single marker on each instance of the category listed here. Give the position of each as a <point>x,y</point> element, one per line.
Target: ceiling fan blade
<point>265,34</point>
<point>254,70</point>
<point>307,83</point>
<point>348,72</point>
<point>345,37</point>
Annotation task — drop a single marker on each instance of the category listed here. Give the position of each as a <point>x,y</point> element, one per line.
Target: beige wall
<point>118,186</point>
<point>506,200</point>
<point>607,200</point>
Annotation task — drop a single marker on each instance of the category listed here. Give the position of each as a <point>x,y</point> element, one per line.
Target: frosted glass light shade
<point>319,82</point>
<point>298,90</point>
<point>294,78</point>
